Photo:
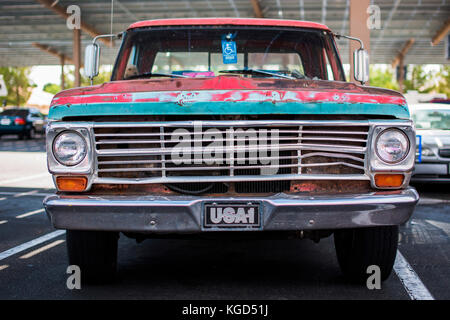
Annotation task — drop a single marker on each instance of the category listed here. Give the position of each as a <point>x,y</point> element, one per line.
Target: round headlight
<point>392,145</point>
<point>69,148</point>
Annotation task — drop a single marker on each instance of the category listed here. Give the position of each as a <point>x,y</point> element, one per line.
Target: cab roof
<point>229,21</point>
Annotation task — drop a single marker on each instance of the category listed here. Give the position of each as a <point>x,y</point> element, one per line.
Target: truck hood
<point>227,95</point>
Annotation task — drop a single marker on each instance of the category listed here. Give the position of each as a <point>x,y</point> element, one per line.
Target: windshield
<point>432,119</point>
<point>15,113</point>
<point>263,52</point>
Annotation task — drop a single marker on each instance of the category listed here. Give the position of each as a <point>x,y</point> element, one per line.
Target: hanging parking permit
<point>229,52</point>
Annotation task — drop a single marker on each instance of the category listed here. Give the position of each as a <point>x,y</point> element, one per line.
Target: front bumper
<point>183,214</point>
<point>431,172</point>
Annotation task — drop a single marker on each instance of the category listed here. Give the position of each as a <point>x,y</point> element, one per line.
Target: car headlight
<point>427,152</point>
<point>392,145</point>
<point>69,148</point>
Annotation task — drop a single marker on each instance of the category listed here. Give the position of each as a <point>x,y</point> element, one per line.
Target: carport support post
<point>401,75</point>
<point>77,55</point>
<point>63,84</point>
<point>358,28</point>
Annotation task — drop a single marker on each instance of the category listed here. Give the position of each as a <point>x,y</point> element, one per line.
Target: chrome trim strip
<point>183,179</point>
<point>282,147</point>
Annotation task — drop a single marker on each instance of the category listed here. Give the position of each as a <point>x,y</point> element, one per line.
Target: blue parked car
<point>25,123</point>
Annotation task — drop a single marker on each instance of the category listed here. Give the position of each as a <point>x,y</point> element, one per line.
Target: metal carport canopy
<point>23,22</point>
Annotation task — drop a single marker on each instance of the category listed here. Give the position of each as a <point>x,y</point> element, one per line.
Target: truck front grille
<point>444,153</point>
<point>257,155</point>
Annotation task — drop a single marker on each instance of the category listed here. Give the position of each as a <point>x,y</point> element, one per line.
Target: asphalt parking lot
<point>33,255</point>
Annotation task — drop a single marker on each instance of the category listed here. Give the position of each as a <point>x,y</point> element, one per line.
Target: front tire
<point>95,252</point>
<point>359,248</point>
<point>31,134</point>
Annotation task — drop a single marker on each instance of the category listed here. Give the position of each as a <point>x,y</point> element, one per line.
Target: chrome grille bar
<point>141,152</point>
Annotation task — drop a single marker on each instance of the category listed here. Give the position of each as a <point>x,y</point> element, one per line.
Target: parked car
<point>230,127</point>
<point>432,122</point>
<point>439,100</point>
<point>39,121</point>
<point>18,121</point>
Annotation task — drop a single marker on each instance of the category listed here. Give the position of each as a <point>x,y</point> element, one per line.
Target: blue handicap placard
<point>229,52</point>
<point>419,147</point>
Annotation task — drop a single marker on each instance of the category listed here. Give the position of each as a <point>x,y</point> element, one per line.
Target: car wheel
<point>360,248</point>
<point>21,136</point>
<point>31,134</point>
<point>95,252</point>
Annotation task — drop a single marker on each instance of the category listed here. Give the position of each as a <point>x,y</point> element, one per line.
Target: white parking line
<point>25,193</point>
<point>3,221</point>
<point>32,177</point>
<point>30,244</point>
<point>29,213</point>
<point>1,199</point>
<point>5,193</point>
<point>42,249</point>
<point>426,200</point>
<point>3,267</point>
<point>444,226</point>
<point>410,280</point>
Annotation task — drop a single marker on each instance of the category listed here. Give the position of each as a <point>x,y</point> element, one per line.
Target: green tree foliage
<point>18,84</point>
<point>382,78</point>
<point>52,88</point>
<point>443,85</point>
<point>418,80</point>
<point>103,76</point>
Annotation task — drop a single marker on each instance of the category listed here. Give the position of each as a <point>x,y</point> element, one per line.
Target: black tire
<point>359,248</point>
<point>31,134</point>
<point>21,136</point>
<point>95,252</point>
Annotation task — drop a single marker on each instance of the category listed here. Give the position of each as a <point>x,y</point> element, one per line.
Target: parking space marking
<point>25,193</point>
<point>3,221</point>
<point>29,213</point>
<point>32,177</point>
<point>1,199</point>
<point>42,249</point>
<point>3,267</point>
<point>426,200</point>
<point>444,226</point>
<point>410,280</point>
<point>6,193</point>
<point>30,244</point>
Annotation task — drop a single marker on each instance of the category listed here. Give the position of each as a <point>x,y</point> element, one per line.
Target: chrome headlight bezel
<point>82,148</point>
<point>406,163</point>
<point>378,151</point>
<point>85,166</point>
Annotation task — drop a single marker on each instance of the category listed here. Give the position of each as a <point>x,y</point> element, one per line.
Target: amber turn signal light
<point>389,180</point>
<point>71,184</point>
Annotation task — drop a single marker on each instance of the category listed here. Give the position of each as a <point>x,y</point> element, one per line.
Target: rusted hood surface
<point>227,95</point>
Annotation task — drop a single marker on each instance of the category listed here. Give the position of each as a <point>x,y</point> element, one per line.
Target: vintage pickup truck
<point>230,127</point>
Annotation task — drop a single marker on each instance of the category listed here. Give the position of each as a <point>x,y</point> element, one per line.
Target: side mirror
<point>91,60</point>
<point>361,65</point>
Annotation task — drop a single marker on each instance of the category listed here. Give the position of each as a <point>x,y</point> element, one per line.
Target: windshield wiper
<point>256,71</point>
<point>155,74</point>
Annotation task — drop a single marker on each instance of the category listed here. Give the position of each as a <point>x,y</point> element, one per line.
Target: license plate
<point>5,122</point>
<point>232,215</point>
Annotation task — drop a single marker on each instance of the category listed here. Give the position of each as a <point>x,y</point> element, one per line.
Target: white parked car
<point>432,122</point>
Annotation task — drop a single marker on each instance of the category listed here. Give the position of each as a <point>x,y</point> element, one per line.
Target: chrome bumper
<point>183,214</point>
<point>431,172</point>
